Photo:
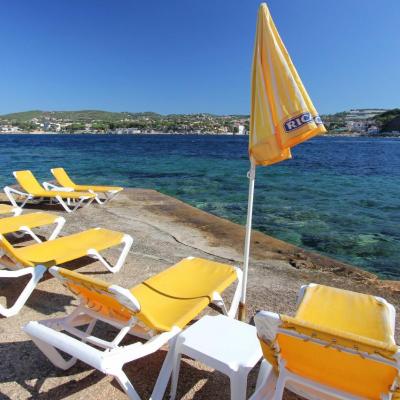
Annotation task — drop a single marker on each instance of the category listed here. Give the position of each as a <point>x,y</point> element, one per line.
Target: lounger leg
<point>36,272</point>
<point>108,196</point>
<point>53,354</point>
<point>266,382</point>
<point>126,385</point>
<point>9,193</point>
<point>280,386</point>
<point>175,376</point>
<point>127,240</point>
<point>165,373</point>
<point>17,211</point>
<point>60,221</point>
<point>29,231</point>
<point>78,204</point>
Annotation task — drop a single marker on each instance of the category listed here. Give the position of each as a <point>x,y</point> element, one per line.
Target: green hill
<point>386,117</point>
<point>76,116</point>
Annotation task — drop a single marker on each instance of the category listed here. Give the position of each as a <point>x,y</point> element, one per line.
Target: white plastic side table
<point>222,343</point>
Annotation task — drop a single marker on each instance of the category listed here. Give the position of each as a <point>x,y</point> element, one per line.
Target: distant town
<point>356,122</point>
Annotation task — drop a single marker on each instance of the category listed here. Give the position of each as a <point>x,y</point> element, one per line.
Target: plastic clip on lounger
<point>63,179</point>
<point>33,190</point>
<point>156,310</point>
<point>339,345</point>
<point>35,259</point>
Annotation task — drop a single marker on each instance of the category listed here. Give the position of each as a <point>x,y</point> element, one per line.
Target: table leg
<point>239,385</point>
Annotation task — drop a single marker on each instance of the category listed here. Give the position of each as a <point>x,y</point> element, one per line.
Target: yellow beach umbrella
<point>282,113</point>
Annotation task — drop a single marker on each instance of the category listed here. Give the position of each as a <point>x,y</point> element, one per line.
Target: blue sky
<point>191,56</point>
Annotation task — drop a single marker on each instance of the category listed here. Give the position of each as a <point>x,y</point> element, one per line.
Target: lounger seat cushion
<point>175,296</point>
<point>32,220</point>
<point>70,247</point>
<point>6,209</point>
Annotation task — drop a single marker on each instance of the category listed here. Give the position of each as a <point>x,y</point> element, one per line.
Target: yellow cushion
<point>64,180</point>
<point>178,294</point>
<point>33,220</point>
<point>340,317</point>
<point>70,247</point>
<point>347,311</point>
<point>171,298</point>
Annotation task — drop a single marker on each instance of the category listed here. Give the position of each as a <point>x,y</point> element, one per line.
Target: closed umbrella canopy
<point>282,113</point>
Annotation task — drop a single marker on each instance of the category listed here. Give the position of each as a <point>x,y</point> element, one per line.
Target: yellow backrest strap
<point>28,181</point>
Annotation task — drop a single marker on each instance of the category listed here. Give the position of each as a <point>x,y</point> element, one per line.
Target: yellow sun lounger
<point>65,181</point>
<point>35,259</point>
<point>6,209</point>
<point>33,190</point>
<point>25,223</point>
<point>340,345</point>
<point>156,310</point>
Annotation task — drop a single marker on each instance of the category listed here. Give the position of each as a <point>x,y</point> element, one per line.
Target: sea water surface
<point>337,196</point>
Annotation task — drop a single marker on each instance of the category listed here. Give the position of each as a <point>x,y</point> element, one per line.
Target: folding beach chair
<point>35,259</point>
<point>155,310</point>
<point>340,345</point>
<point>33,190</point>
<point>24,224</point>
<point>6,209</point>
<point>63,179</point>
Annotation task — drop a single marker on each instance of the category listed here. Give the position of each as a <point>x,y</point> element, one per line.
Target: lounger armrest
<point>9,189</point>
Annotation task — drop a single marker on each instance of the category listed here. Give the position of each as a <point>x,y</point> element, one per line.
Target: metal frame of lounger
<point>109,195</point>
<point>48,336</point>
<point>271,387</point>
<point>16,270</point>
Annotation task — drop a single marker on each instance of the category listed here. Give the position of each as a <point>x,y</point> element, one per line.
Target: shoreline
<point>352,135</point>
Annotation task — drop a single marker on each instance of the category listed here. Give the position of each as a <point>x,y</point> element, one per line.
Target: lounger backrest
<point>96,294</point>
<point>318,353</point>
<point>28,182</point>
<point>9,251</point>
<point>62,177</point>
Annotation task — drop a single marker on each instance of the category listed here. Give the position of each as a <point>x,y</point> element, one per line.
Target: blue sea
<point>337,196</point>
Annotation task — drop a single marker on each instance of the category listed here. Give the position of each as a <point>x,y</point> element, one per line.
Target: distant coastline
<point>355,122</point>
<point>330,134</point>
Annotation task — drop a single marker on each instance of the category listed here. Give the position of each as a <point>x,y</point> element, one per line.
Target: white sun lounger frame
<point>109,195</point>
<point>48,336</point>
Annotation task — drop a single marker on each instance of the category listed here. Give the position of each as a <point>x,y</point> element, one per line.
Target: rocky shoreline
<point>165,230</point>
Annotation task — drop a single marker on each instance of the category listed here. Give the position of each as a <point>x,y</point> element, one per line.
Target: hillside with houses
<point>355,122</point>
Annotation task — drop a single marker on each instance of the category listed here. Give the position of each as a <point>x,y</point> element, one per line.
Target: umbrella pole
<point>252,177</point>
